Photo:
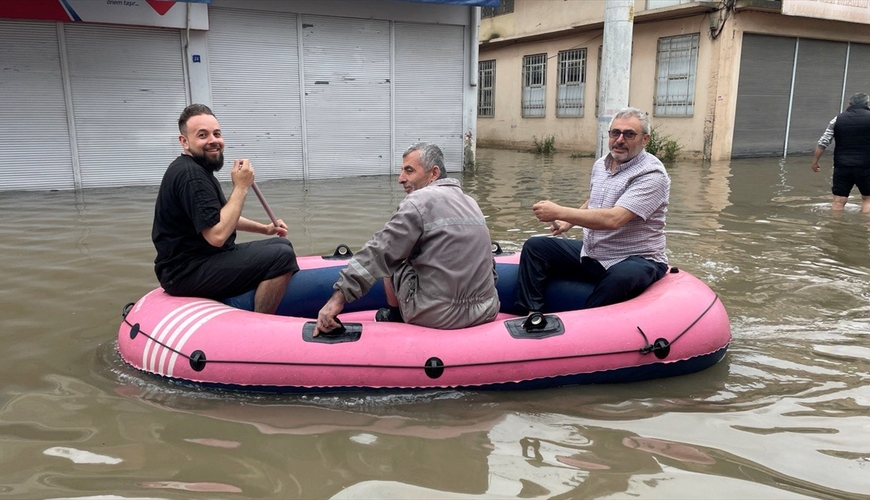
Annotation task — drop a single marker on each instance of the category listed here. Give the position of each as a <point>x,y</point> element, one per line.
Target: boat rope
<point>661,347</point>
<point>197,358</point>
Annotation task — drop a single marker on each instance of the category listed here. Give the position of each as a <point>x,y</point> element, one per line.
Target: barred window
<point>677,65</point>
<point>534,85</point>
<point>506,7</point>
<point>486,88</point>
<point>572,82</point>
<point>656,4</point>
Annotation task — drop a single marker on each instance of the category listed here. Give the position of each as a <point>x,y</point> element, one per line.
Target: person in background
<point>195,225</point>
<point>851,132</point>
<point>434,255</point>
<point>623,247</point>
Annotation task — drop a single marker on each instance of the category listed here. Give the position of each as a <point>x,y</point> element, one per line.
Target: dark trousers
<point>545,258</point>
<point>236,271</point>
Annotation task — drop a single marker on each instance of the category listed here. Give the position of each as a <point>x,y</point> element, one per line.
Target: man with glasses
<point>623,247</point>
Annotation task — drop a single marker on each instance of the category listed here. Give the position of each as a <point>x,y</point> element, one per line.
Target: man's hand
<point>242,173</point>
<point>815,166</point>
<point>558,227</point>
<point>546,211</point>
<point>280,230</point>
<point>326,317</point>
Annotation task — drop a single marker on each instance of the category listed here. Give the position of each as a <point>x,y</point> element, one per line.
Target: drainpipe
<point>185,66</point>
<point>469,141</point>
<point>615,65</point>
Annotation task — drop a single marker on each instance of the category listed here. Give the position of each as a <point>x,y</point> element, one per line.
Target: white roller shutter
<point>347,96</point>
<point>254,72</point>
<point>429,89</point>
<point>34,135</point>
<point>127,90</point>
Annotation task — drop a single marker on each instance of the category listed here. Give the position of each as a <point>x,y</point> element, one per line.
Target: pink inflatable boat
<point>675,327</point>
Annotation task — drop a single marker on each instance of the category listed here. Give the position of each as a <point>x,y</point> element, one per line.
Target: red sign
<point>161,6</point>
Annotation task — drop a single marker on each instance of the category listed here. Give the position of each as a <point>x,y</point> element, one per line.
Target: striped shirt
<point>828,136</point>
<point>641,185</point>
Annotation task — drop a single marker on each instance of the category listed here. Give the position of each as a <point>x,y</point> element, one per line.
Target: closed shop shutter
<point>347,96</point>
<point>429,89</point>
<point>768,107</point>
<point>254,71</point>
<point>818,90</point>
<point>762,95</point>
<point>34,134</point>
<point>128,89</point>
<point>858,76</point>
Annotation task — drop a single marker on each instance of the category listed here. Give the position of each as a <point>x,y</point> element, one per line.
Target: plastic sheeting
<point>482,3</point>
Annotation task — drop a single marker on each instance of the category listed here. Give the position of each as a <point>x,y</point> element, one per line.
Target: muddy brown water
<point>786,414</point>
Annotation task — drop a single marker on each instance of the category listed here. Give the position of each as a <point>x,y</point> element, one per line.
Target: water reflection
<point>785,414</point>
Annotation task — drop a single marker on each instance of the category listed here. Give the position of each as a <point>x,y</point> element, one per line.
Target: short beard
<point>210,165</point>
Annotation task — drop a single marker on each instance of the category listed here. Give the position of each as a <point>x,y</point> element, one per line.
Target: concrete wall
<point>574,24</point>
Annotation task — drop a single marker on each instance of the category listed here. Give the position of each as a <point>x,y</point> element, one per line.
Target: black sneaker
<point>388,314</point>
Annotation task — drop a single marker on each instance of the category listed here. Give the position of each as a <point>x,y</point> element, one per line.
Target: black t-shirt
<point>189,201</point>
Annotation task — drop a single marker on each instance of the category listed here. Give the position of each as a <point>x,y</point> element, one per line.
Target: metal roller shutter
<point>347,96</point>
<point>429,89</point>
<point>858,76</point>
<point>762,95</point>
<point>817,92</point>
<point>34,133</point>
<point>254,72</point>
<point>128,89</point>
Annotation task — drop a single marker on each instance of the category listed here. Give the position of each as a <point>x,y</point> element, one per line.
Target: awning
<point>482,3</point>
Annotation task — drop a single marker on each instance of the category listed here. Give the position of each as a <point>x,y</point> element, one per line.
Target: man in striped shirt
<point>623,221</point>
<point>851,132</point>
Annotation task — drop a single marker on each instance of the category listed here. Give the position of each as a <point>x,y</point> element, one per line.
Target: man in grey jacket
<point>434,254</point>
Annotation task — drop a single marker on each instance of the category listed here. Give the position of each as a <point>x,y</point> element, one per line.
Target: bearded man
<point>195,225</point>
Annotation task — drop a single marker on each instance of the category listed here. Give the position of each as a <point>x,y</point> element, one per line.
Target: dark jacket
<point>852,138</point>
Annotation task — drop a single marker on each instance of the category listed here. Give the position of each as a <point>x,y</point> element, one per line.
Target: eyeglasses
<point>628,134</point>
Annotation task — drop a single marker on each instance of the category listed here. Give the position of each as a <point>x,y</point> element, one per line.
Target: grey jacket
<point>437,249</point>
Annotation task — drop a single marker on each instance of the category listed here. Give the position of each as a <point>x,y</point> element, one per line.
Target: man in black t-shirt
<point>195,225</point>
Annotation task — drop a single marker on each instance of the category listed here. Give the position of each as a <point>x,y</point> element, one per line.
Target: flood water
<point>786,414</point>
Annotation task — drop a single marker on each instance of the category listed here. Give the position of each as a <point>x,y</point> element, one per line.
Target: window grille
<point>506,7</point>
<point>534,85</point>
<point>677,65</point>
<point>486,88</point>
<point>572,82</point>
<point>656,4</point>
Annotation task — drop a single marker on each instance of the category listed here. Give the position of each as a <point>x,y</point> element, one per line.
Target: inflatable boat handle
<point>265,205</point>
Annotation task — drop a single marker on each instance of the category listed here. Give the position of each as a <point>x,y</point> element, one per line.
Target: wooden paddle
<point>265,204</point>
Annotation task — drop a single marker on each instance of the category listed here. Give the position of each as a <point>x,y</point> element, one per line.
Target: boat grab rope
<point>197,359</point>
<point>661,347</point>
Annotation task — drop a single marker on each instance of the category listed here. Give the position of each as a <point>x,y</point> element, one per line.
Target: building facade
<point>91,91</point>
<point>724,79</point>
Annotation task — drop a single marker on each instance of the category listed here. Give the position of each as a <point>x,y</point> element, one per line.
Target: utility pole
<point>615,66</point>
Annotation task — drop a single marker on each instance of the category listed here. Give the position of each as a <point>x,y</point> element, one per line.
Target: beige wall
<point>541,16</point>
<point>509,128</point>
<point>708,133</point>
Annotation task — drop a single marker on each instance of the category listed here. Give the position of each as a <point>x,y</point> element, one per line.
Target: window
<point>486,88</point>
<point>656,4</point>
<point>506,7</point>
<point>572,82</point>
<point>677,64</point>
<point>534,85</point>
